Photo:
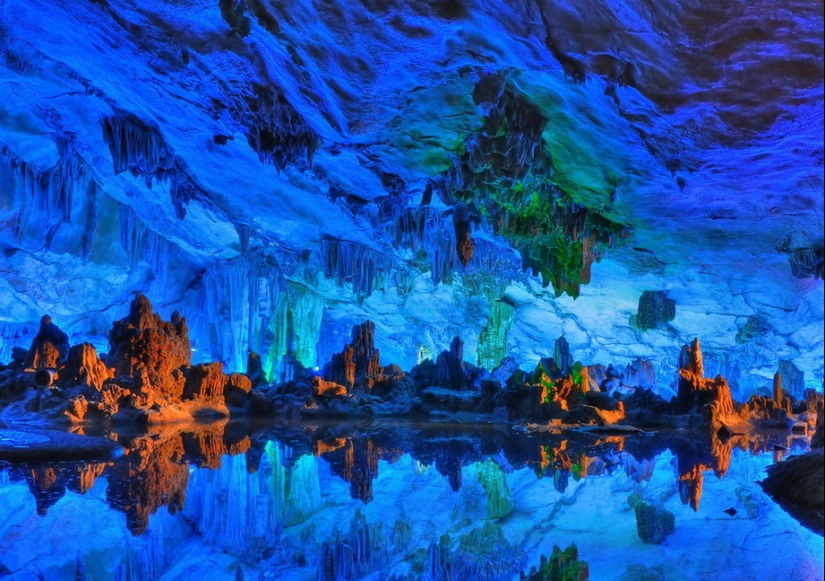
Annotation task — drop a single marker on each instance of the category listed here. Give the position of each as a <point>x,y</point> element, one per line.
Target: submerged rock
<point>561,566</point>
<point>653,522</point>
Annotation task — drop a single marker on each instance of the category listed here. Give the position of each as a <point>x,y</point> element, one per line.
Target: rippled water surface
<point>398,501</point>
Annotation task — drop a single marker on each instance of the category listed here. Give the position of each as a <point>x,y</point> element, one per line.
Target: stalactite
<point>295,329</point>
<point>351,263</point>
<point>45,204</point>
<point>14,335</point>
<point>141,150</point>
<point>276,131</point>
<point>142,244</point>
<point>227,287</point>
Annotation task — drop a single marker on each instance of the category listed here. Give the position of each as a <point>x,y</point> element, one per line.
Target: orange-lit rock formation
<point>696,393</point>
<point>143,341</point>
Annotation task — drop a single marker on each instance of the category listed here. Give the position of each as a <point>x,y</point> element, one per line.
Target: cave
<point>411,289</point>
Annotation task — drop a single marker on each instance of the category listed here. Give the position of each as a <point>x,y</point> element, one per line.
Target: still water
<point>405,502</point>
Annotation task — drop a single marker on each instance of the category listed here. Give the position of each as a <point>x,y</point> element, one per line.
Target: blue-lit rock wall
<point>279,171</point>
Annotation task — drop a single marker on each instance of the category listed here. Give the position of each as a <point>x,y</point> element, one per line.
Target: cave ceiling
<point>417,163</point>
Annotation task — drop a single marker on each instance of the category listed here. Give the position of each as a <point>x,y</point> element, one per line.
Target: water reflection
<point>152,472</point>
<point>267,495</point>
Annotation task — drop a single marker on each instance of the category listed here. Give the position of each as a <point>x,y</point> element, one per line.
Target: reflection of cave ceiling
<point>265,167</point>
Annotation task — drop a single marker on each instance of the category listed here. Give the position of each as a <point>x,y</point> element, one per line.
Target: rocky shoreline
<point>147,377</point>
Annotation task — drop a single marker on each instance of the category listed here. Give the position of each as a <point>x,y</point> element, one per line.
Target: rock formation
<point>653,522</point>
<point>50,346</point>
<point>655,310</point>
<point>798,484</point>
<point>145,377</point>
<point>84,367</point>
<point>143,341</point>
<point>561,566</point>
<point>358,363</point>
<point>698,394</point>
<point>356,462</point>
<point>450,367</point>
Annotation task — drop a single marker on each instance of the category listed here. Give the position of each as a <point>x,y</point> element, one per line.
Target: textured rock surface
<point>653,522</point>
<point>798,484</point>
<point>143,342</point>
<point>404,164</point>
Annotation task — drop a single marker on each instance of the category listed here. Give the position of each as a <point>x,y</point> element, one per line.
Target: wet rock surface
<point>33,444</point>
<point>798,485</point>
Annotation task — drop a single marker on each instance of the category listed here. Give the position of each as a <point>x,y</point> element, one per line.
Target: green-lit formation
<point>561,566</point>
<point>506,176</point>
<point>492,342</point>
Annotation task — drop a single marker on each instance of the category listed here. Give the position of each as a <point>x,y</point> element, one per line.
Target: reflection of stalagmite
<point>83,477</point>
<point>292,484</point>
<point>353,554</point>
<point>205,447</point>
<point>48,485</point>
<point>690,486</point>
<point>499,497</point>
<point>722,451</point>
<point>357,463</point>
<point>147,477</point>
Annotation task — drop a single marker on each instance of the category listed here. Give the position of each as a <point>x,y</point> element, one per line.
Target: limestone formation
<point>322,388</point>
<point>798,484</point>
<point>562,356</point>
<point>793,378</point>
<point>255,369</point>
<point>653,522</point>
<point>655,310</point>
<point>561,566</point>
<point>145,377</point>
<point>357,463</point>
<point>205,382</point>
<point>84,367</point>
<point>50,346</point>
<point>450,366</point>
<point>236,392</point>
<point>698,394</point>
<point>358,363</point>
<point>144,341</point>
